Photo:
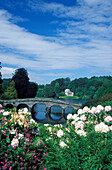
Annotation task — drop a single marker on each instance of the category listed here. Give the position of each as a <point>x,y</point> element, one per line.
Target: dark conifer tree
<point>24,88</point>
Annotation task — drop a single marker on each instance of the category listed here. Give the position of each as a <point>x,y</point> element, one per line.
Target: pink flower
<point>1,111</point>
<point>10,168</point>
<point>1,106</point>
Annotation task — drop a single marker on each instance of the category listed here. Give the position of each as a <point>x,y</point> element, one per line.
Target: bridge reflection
<point>44,110</point>
<point>54,114</point>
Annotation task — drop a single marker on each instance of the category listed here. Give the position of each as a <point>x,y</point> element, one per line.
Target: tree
<point>11,92</point>
<point>49,91</point>
<point>40,92</point>
<point>25,89</point>
<point>57,89</point>
<point>31,90</point>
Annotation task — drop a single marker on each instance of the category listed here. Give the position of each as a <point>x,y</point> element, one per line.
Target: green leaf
<point>8,140</point>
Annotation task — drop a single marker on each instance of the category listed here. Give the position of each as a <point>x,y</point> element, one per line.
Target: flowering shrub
<point>84,142</point>
<point>20,146</point>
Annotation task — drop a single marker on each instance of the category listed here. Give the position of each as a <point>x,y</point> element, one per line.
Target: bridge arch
<point>55,112</point>
<point>68,109</point>
<point>9,106</point>
<point>22,106</point>
<point>39,111</point>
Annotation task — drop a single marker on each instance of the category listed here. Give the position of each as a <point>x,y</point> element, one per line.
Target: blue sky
<point>55,39</point>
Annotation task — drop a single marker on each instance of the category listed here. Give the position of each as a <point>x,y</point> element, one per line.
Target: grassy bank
<point>69,97</point>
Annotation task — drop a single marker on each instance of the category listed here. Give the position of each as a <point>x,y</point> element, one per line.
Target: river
<point>73,100</point>
<point>56,111</point>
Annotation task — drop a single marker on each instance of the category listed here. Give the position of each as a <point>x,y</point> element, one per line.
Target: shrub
<point>84,142</point>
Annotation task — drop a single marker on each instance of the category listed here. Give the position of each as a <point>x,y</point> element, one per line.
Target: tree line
<point>85,88</point>
<point>18,86</point>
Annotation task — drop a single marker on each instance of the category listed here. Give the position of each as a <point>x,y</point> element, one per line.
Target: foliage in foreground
<point>85,142</point>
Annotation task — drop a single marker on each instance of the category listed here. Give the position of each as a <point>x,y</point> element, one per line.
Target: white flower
<point>73,122</point>
<point>12,131</point>
<point>69,116</point>
<point>86,109</point>
<point>110,127</point>
<point>79,125</point>
<point>108,108</point>
<point>80,111</point>
<point>81,132</point>
<point>20,136</point>
<point>83,118</point>
<point>108,119</point>
<point>58,125</point>
<point>74,116</point>
<point>102,127</point>
<point>93,110</point>
<point>60,133</point>
<point>5,113</point>
<point>25,110</point>
<point>50,129</point>
<point>14,142</point>
<point>97,110</point>
<point>62,144</point>
<point>21,117</point>
<point>46,124</point>
<point>32,121</point>
<point>100,107</point>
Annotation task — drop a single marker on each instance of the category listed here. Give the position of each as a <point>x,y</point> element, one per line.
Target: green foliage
<point>100,100</point>
<point>10,92</point>
<point>40,92</point>
<point>57,89</point>
<point>83,88</point>
<point>56,147</point>
<point>49,91</point>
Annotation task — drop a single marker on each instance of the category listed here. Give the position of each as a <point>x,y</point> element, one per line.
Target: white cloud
<point>7,72</point>
<point>84,41</point>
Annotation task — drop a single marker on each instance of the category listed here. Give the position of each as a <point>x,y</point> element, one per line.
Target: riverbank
<point>69,97</point>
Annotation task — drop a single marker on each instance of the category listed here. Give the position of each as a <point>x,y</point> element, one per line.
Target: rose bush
<point>20,146</point>
<point>84,142</point>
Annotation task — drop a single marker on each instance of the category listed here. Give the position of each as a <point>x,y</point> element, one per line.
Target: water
<point>73,100</point>
<point>40,110</point>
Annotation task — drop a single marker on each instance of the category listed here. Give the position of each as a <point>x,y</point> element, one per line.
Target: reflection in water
<point>68,110</point>
<point>56,112</point>
<point>40,111</point>
<point>40,115</point>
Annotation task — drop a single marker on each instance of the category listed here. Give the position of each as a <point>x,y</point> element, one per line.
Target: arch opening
<point>39,111</point>
<point>68,110</point>
<point>55,112</point>
<point>23,107</point>
<point>9,106</point>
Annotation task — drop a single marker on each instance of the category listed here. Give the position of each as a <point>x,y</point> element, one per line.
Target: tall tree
<point>25,89</point>
<point>11,92</point>
<point>57,89</point>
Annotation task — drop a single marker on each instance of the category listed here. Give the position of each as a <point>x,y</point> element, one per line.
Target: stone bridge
<point>30,103</point>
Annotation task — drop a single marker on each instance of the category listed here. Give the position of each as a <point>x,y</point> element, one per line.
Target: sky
<point>56,39</point>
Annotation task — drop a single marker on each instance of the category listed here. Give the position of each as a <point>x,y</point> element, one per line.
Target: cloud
<point>7,72</point>
<point>83,40</point>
